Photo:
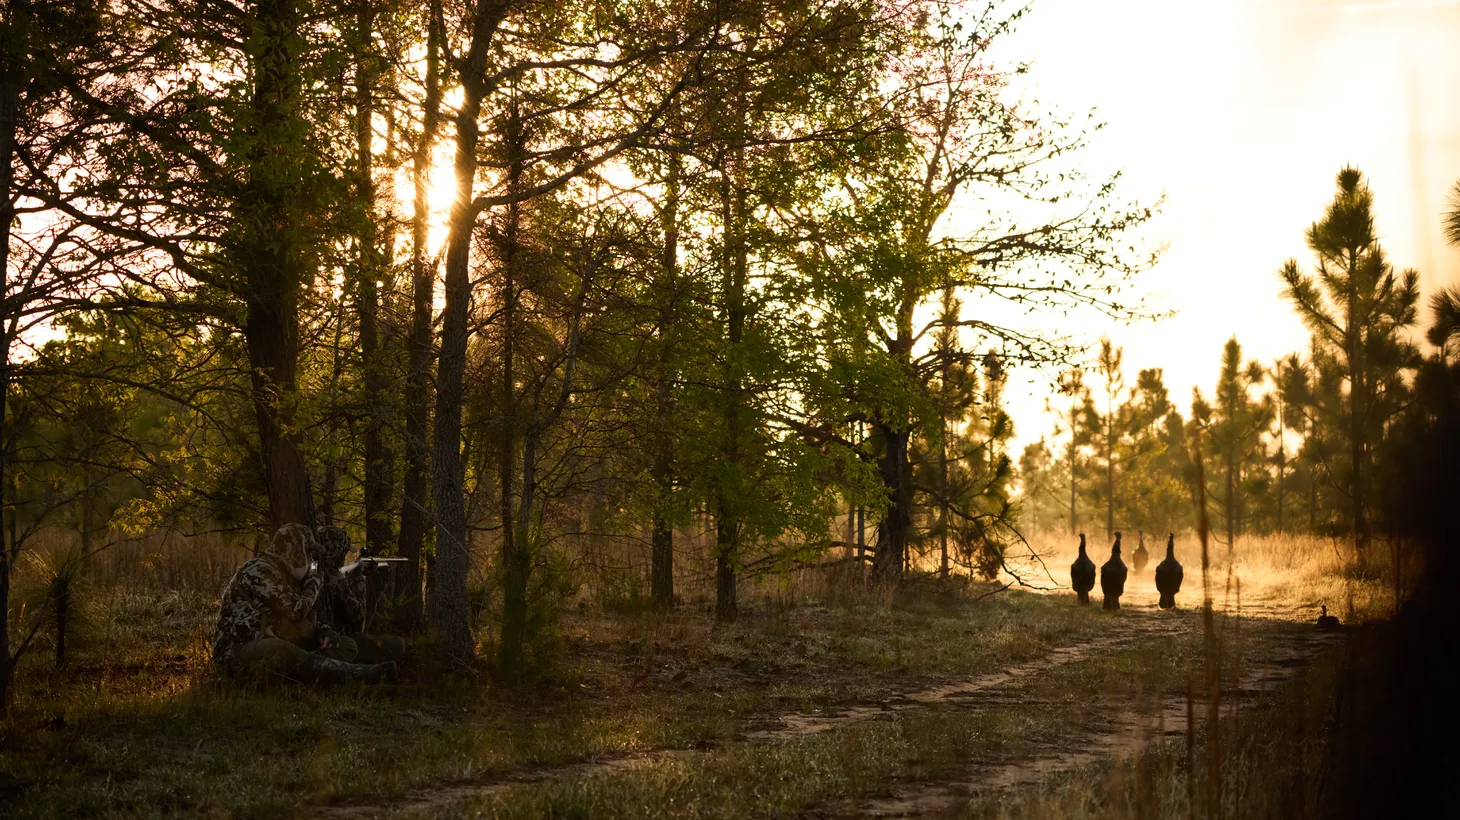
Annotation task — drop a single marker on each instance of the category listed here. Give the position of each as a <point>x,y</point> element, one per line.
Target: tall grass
<point>128,598</point>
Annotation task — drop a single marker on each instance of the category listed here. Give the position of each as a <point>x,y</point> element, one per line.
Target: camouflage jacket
<point>341,602</point>
<point>264,600</point>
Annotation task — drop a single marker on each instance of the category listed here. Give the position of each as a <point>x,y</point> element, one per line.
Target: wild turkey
<point>1328,623</point>
<point>1168,575</point>
<point>1112,577</point>
<point>1082,574</point>
<point>1140,557</point>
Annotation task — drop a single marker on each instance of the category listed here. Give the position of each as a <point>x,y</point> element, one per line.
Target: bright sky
<point>1242,112</point>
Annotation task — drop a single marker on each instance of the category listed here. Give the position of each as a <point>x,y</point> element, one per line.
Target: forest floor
<point>933,705</point>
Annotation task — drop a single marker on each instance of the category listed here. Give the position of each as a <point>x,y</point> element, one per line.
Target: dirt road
<point>1274,644</point>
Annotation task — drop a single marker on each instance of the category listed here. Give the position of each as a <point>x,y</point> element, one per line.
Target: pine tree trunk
<point>9,104</point>
<point>518,563</point>
<point>662,541</point>
<point>1313,502</point>
<point>727,538</point>
<point>1282,465</point>
<point>270,253</point>
<point>728,500</point>
<point>1074,525</point>
<point>331,482</point>
<point>861,536</point>
<point>413,515</point>
<point>1109,470</point>
<point>515,554</point>
<point>1231,501</point>
<point>1358,409</point>
<point>892,558</point>
<point>662,469</point>
<point>860,437</point>
<point>379,462</point>
<point>1356,458</point>
<point>943,502</point>
<point>7,661</point>
<point>449,612</point>
<point>892,531</point>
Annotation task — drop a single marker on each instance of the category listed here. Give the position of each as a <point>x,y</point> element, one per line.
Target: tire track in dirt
<point>789,727</point>
<point>801,724</point>
<point>1130,731</point>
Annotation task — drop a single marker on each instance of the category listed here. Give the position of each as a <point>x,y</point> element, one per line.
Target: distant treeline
<point>1323,441</point>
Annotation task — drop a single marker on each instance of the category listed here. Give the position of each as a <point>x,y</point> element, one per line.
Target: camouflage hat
<point>332,544</point>
<point>294,544</point>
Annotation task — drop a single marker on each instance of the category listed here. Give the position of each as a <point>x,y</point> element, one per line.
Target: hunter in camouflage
<point>267,622</point>
<point>340,609</point>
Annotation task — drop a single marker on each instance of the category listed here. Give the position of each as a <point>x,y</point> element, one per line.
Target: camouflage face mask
<point>332,545</point>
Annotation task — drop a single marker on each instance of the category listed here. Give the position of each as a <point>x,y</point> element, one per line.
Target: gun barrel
<point>359,562</point>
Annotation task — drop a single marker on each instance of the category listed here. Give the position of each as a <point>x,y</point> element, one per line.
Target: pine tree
<point>1109,429</point>
<point>1289,378</point>
<point>1156,498</point>
<point>1230,431</point>
<point>1357,308</point>
<point>961,472</point>
<point>1073,421</point>
<point>1041,506</point>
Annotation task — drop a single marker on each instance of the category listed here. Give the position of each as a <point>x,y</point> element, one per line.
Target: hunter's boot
<point>328,670</point>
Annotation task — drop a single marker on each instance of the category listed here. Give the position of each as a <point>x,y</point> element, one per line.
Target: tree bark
<point>449,612</point>
<point>1282,458</point>
<point>662,468</point>
<point>1313,501</point>
<point>1358,406</point>
<point>943,503</point>
<point>518,541</point>
<point>1073,524</point>
<point>9,112</point>
<point>413,515</point>
<point>729,524</point>
<point>1231,501</point>
<point>331,481</point>
<point>893,530</point>
<point>895,470</point>
<point>379,461</point>
<point>861,536</point>
<point>270,253</point>
<point>1109,468</point>
<point>516,558</point>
